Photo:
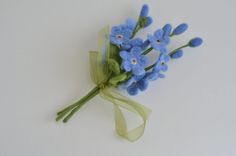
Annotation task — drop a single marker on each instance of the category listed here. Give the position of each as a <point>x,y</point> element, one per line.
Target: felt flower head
<point>134,61</point>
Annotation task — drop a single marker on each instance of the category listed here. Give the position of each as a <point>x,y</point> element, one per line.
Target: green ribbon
<point>100,74</point>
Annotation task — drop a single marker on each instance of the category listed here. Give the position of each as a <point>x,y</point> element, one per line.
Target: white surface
<point>44,66</point>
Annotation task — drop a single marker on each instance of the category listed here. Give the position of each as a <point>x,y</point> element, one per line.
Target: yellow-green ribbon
<point>99,75</point>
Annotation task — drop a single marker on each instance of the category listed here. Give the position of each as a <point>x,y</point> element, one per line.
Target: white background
<point>44,67</point>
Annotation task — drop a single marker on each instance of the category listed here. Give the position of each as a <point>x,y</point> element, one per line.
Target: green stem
<point>136,29</point>
<point>77,108</point>
<point>173,51</point>
<point>147,51</point>
<point>150,67</point>
<point>83,100</point>
<point>76,103</point>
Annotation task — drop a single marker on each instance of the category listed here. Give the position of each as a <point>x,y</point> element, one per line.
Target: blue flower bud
<point>180,29</point>
<point>177,54</point>
<point>195,42</point>
<point>167,29</point>
<point>144,11</point>
<point>148,21</point>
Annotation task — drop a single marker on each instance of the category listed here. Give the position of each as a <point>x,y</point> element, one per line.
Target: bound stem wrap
<point>100,74</point>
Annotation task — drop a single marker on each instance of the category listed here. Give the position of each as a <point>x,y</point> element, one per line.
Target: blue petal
<point>166,58</point>
<point>158,33</point>
<point>164,67</point>
<point>132,90</point>
<point>125,46</point>
<point>137,42</point>
<point>152,75</point>
<point>163,49</point>
<point>126,66</point>
<point>136,51</point>
<point>128,83</point>
<point>142,84</point>
<point>167,29</point>
<point>115,29</point>
<point>144,61</point>
<point>138,70</point>
<point>115,41</point>
<point>131,23</point>
<point>161,75</point>
<point>125,55</point>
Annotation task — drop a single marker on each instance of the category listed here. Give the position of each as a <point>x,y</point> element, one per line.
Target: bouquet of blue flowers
<point>121,62</point>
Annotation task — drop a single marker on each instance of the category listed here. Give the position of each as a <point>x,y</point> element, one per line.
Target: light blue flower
<point>120,34</point>
<point>180,29</point>
<point>159,40</point>
<point>134,61</point>
<point>161,66</point>
<point>195,42</point>
<point>139,83</point>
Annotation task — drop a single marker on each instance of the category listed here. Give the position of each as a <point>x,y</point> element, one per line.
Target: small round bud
<point>148,21</point>
<point>177,54</point>
<point>195,42</point>
<point>144,11</point>
<point>180,29</point>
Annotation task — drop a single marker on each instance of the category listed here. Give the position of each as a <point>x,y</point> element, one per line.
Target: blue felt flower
<point>161,66</point>
<point>177,54</point>
<point>139,83</point>
<point>195,42</point>
<point>120,34</point>
<point>180,29</point>
<point>134,61</point>
<point>159,40</point>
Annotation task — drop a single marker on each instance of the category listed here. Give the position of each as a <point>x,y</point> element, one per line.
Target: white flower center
<point>119,36</point>
<point>133,61</point>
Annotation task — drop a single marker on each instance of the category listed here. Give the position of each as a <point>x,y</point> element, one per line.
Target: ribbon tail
<point>93,59</point>
<point>119,102</point>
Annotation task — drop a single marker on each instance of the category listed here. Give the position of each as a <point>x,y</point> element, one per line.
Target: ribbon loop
<point>121,101</point>
<point>100,74</point>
